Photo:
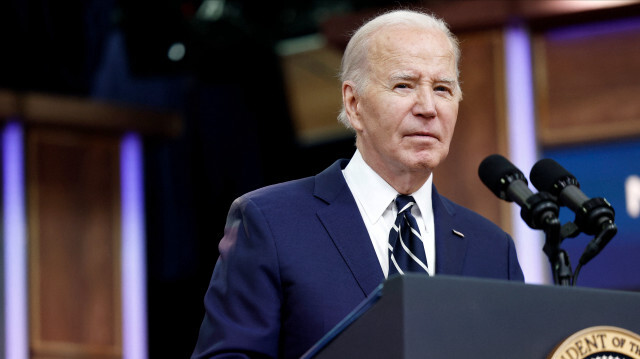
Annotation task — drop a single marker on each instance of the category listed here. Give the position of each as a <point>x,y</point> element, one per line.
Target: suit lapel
<point>342,220</point>
<point>450,247</point>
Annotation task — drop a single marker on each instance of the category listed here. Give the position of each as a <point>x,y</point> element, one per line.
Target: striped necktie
<point>406,251</point>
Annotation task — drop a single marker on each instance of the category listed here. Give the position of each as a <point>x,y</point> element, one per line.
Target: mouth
<point>421,134</point>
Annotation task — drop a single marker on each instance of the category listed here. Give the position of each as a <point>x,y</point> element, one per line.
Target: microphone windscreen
<point>493,169</point>
<point>546,173</point>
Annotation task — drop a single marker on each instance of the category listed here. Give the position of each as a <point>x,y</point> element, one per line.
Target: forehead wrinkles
<point>404,44</point>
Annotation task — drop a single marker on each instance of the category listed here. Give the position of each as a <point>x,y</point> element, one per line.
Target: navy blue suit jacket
<point>296,258</point>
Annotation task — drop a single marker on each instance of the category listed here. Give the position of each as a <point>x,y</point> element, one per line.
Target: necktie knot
<point>404,203</point>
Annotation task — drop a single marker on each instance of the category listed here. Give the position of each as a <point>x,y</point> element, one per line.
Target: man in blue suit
<point>297,257</point>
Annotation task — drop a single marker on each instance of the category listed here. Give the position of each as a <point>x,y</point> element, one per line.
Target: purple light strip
<point>591,30</point>
<point>522,145</point>
<point>134,298</point>
<point>15,244</point>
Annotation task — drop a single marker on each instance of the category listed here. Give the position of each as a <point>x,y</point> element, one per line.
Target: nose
<point>425,104</point>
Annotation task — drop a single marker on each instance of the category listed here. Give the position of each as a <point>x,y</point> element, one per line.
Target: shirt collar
<point>423,197</point>
<point>369,182</point>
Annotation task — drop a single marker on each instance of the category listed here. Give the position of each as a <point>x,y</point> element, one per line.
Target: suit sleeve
<point>242,303</point>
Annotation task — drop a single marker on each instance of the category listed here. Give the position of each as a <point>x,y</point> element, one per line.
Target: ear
<point>351,100</point>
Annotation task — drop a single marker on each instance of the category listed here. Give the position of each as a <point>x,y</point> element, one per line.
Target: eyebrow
<point>403,77</point>
<point>411,77</point>
<point>447,81</point>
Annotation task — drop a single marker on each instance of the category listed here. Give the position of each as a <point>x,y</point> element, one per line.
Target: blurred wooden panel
<point>8,104</point>
<point>481,127</point>
<point>83,114</point>
<point>314,92</point>
<point>588,82</point>
<point>74,231</point>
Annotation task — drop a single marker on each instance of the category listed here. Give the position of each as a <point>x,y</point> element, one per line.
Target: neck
<point>402,180</point>
<point>406,184</point>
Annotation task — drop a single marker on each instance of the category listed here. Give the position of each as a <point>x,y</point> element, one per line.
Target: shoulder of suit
<point>289,190</point>
<point>466,215</point>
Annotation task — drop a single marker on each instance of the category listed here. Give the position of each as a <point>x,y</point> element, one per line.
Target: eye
<point>401,86</point>
<point>442,89</point>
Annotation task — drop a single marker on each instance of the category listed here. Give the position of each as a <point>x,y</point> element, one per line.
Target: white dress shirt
<point>375,199</point>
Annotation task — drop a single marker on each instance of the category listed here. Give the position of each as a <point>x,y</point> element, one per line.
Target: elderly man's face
<point>406,114</point>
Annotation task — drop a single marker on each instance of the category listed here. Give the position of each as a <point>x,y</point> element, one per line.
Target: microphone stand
<point>562,269</point>
<point>558,258</point>
<point>595,217</point>
<point>540,211</point>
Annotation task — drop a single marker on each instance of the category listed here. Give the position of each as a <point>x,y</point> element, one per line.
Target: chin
<point>421,166</point>
<point>427,161</point>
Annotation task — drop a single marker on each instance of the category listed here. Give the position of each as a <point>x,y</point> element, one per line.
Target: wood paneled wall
<point>481,127</point>
<point>74,241</point>
<point>588,82</point>
<point>314,94</point>
<point>72,162</point>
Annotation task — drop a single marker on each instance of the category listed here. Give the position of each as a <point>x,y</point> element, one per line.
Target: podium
<point>413,316</point>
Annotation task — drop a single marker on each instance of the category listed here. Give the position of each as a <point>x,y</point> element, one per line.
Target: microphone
<point>594,216</point>
<point>509,183</point>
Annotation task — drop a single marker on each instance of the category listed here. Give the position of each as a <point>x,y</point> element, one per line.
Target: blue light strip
<point>522,145</point>
<point>15,244</point>
<point>134,298</point>
<point>587,32</point>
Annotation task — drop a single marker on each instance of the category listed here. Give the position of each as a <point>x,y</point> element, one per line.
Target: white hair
<point>354,61</point>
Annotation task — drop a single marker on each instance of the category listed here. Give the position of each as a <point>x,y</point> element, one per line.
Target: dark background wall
<point>238,131</point>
